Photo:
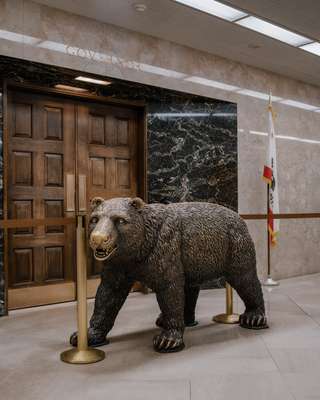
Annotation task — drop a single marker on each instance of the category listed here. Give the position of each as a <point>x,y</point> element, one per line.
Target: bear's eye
<point>94,220</point>
<point>121,221</point>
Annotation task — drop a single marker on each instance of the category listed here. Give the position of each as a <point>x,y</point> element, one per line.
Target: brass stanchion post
<point>229,317</point>
<point>82,354</point>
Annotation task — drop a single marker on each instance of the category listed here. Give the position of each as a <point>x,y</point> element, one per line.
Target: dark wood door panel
<point>41,152</point>
<point>61,154</point>
<point>107,154</point>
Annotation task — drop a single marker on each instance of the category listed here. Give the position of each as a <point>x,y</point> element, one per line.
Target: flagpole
<point>269,281</point>
<point>268,233</point>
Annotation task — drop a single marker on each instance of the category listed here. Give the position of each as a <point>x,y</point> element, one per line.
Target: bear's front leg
<point>171,303</point>
<point>111,294</point>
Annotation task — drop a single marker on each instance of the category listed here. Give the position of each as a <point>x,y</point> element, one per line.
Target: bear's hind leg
<point>249,289</point>
<point>191,294</point>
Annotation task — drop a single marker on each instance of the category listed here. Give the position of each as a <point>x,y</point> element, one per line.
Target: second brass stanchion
<point>228,317</point>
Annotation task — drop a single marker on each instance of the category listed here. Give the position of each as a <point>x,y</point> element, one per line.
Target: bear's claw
<point>94,339</point>
<point>253,320</point>
<point>168,341</point>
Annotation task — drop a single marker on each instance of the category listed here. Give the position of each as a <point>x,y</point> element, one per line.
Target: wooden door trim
<point>69,94</point>
<point>5,144</point>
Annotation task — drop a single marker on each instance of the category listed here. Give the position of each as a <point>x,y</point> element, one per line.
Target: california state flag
<point>270,175</point>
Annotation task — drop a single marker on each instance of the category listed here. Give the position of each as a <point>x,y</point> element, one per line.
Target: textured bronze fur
<point>172,249</point>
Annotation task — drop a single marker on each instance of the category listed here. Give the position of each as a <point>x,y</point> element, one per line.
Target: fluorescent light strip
<point>215,8</point>
<point>293,138</point>
<point>299,104</point>
<point>258,95</point>
<point>92,80</point>
<point>274,31</point>
<point>259,25</point>
<point>209,82</point>
<point>193,115</point>
<point>56,46</point>
<point>251,93</point>
<point>18,37</point>
<point>313,48</point>
<point>158,70</point>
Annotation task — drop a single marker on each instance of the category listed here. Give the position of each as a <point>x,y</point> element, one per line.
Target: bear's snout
<point>102,245</point>
<point>99,239</point>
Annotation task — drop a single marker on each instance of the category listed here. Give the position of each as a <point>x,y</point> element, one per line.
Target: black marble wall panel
<point>192,152</point>
<point>192,140</point>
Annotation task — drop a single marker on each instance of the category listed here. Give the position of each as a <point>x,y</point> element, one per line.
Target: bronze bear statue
<point>172,249</point>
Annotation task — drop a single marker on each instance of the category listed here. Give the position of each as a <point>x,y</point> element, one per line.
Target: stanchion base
<point>270,282</point>
<point>226,318</point>
<point>89,356</point>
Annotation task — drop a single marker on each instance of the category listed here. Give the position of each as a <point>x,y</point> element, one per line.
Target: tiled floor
<point>219,362</point>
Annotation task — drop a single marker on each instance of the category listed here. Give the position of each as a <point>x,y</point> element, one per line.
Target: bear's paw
<point>95,339</point>
<point>253,320</point>
<point>168,341</point>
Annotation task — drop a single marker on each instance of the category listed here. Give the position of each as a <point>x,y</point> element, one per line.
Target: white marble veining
<point>38,33</point>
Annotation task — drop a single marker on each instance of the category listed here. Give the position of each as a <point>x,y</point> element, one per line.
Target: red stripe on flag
<point>267,173</point>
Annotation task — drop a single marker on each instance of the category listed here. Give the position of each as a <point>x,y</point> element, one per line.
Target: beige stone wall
<point>39,33</point>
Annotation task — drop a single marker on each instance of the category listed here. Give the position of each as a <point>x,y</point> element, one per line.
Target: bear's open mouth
<point>103,254</point>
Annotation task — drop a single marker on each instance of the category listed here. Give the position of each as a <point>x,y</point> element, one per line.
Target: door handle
<point>82,187</point>
<point>71,191</point>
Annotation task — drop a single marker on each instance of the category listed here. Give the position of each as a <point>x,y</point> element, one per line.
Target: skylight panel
<point>274,31</point>
<point>215,8</point>
<point>312,48</point>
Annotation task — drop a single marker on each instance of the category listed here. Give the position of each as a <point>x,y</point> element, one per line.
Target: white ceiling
<point>172,21</point>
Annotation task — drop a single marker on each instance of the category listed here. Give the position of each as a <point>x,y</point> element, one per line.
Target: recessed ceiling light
<point>92,80</point>
<point>70,88</point>
<point>312,48</point>
<point>274,31</point>
<point>140,7</point>
<point>214,8</point>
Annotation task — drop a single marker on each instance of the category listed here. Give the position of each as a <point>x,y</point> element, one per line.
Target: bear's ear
<point>95,202</point>
<point>137,203</point>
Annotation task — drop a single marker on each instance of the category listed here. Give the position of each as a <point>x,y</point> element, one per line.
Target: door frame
<point>140,106</point>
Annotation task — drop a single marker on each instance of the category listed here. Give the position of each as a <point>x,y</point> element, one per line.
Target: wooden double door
<point>61,153</point>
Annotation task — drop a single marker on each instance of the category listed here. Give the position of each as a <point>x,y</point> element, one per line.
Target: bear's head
<point>116,227</point>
